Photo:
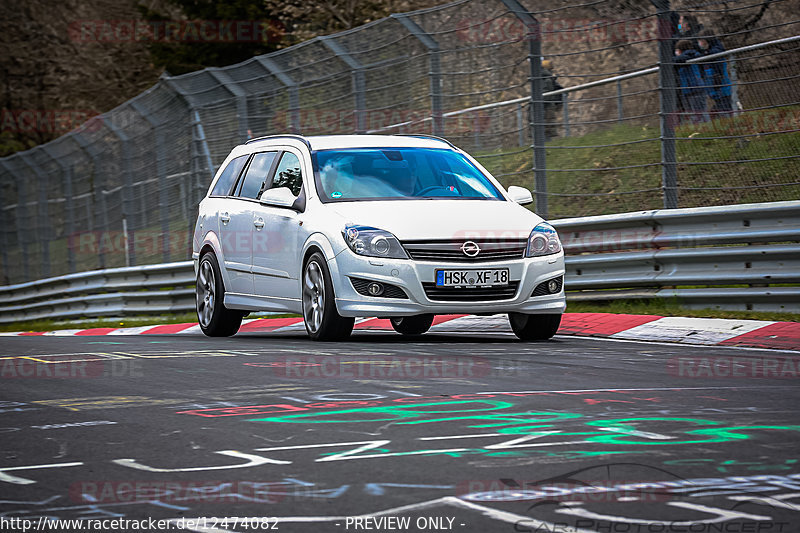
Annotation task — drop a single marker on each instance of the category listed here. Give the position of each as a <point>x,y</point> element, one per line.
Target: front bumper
<point>410,274</point>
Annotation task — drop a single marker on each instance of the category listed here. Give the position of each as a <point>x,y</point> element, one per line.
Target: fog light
<point>375,289</point>
<point>553,286</point>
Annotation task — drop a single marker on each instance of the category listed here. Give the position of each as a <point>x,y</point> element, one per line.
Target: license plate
<point>489,277</point>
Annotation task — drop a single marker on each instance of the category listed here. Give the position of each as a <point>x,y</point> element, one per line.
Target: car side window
<point>256,175</point>
<point>288,174</point>
<point>228,176</point>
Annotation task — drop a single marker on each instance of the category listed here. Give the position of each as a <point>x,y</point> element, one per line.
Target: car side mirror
<point>278,197</point>
<point>521,195</point>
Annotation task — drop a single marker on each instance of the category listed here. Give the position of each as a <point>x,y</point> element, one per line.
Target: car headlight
<point>543,241</point>
<point>373,242</point>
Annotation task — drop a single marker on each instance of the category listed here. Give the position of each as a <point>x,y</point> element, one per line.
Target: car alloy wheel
<point>313,296</point>
<point>206,289</point>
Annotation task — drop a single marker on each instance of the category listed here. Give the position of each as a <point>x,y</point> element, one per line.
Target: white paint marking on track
<point>692,330</point>
<point>138,330</point>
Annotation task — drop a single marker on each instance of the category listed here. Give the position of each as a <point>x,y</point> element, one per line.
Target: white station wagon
<point>346,226</point>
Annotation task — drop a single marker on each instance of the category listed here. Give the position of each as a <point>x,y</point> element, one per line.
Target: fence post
<point>68,194</point>
<point>734,78</point>
<point>532,34</point>
<point>100,212</point>
<point>291,86</point>
<point>435,71</point>
<point>22,241</point>
<point>620,114</point>
<point>359,82</point>
<point>565,102</point>
<point>241,100</point>
<point>666,91</point>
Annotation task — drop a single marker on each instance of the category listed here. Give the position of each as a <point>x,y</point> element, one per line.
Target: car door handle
<point>225,218</point>
<point>258,223</point>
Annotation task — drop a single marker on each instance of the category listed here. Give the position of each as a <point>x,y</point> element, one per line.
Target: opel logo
<point>470,249</point>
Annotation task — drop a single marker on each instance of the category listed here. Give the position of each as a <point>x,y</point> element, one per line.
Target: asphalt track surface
<point>462,431</point>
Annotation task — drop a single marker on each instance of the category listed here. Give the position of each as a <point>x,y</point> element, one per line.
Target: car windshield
<point>399,173</point>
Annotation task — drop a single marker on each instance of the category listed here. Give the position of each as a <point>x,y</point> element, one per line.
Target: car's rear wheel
<point>412,325</point>
<point>215,319</point>
<point>534,327</point>
<point>323,321</point>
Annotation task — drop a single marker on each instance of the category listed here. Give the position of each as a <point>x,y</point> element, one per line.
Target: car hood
<point>441,219</point>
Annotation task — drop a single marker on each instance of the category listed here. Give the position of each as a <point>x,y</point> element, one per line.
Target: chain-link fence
<point>586,103</point>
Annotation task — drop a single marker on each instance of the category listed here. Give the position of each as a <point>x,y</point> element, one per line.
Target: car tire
<point>412,325</point>
<point>534,327</point>
<point>215,319</point>
<point>323,322</point>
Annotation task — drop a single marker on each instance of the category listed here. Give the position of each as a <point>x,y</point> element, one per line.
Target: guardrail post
<point>291,87</point>
<point>359,82</point>
<point>100,211</point>
<point>435,72</point>
<point>161,171</point>
<point>68,193</point>
<point>667,92</point>
<point>22,241</point>
<point>532,34</point>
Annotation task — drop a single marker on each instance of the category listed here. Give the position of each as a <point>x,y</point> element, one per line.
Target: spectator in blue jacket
<point>716,74</point>
<point>693,88</point>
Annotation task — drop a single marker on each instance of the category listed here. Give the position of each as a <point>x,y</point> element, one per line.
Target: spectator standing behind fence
<point>716,74</point>
<point>552,104</point>
<point>689,28</point>
<point>692,84</point>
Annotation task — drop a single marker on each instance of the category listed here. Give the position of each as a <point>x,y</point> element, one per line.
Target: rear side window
<point>228,176</point>
<point>256,175</point>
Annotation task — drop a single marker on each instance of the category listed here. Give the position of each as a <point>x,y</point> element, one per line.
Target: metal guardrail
<point>728,257</point>
<point>142,290</point>
<point>688,254</point>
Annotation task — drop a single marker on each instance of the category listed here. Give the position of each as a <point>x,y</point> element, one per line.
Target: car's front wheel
<point>412,325</point>
<point>215,319</point>
<point>534,327</point>
<point>323,321</point>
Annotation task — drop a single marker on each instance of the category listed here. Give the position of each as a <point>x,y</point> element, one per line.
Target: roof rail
<point>423,136</point>
<point>289,135</point>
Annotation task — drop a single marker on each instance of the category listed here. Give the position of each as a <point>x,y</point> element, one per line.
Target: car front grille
<point>449,250</point>
<point>472,294</point>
